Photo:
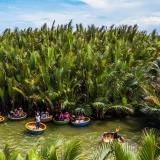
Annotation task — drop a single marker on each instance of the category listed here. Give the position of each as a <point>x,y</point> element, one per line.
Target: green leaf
<point>15,156</point>
<point>6,150</point>
<point>20,91</point>
<point>52,153</point>
<point>73,150</point>
<point>2,156</point>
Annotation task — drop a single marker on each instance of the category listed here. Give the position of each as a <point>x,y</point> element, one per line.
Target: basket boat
<point>1,119</point>
<point>80,123</point>
<point>31,128</point>
<point>18,119</point>
<point>47,119</point>
<point>108,137</point>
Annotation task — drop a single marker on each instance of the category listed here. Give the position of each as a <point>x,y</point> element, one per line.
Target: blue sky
<point>34,13</point>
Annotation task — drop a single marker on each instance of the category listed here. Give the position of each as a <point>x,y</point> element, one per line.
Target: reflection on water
<point>20,139</point>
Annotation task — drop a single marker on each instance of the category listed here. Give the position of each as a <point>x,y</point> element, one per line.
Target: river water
<point>16,133</point>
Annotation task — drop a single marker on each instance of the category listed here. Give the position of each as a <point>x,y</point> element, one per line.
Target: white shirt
<point>38,119</point>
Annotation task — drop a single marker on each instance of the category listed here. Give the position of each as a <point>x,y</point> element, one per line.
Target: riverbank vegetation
<point>56,148</point>
<point>98,71</point>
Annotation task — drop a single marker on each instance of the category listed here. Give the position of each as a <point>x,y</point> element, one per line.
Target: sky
<point>34,13</point>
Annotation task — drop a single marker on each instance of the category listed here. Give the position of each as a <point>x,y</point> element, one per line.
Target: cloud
<point>39,18</point>
<point>96,3</point>
<point>111,4</point>
<point>12,7</point>
<point>98,12</point>
<point>143,22</point>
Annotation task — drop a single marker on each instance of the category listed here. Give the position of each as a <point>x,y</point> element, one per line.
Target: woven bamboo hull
<point>18,119</point>
<point>48,119</point>
<point>1,119</point>
<point>107,137</point>
<point>31,128</point>
<point>81,124</point>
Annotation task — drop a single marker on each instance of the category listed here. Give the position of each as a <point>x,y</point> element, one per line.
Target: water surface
<point>19,138</point>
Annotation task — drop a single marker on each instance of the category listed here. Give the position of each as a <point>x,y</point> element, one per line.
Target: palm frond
<point>7,151</point>
<point>21,92</point>
<point>2,156</point>
<point>152,99</point>
<point>52,153</point>
<point>86,111</point>
<point>149,149</point>
<point>31,155</point>
<point>73,150</point>
<point>121,109</point>
<point>123,152</point>
<point>102,152</point>
<point>15,156</point>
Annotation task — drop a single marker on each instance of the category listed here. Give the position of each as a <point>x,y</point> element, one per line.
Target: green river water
<point>19,138</point>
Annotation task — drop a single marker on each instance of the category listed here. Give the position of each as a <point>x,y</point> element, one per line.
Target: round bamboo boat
<point>47,119</point>
<point>1,119</point>
<point>31,128</point>
<point>18,119</point>
<point>108,137</point>
<point>61,122</point>
<point>80,123</point>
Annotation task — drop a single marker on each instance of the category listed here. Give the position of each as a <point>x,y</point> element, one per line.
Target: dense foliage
<point>93,70</point>
<point>56,148</point>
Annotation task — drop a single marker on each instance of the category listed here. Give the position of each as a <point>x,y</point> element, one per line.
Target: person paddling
<point>115,134</point>
<point>38,121</point>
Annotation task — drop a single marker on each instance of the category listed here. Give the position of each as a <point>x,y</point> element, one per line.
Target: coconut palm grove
<point>98,72</point>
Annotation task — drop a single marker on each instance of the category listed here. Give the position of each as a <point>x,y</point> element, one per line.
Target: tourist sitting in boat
<point>73,118</point>
<point>47,114</point>
<point>115,134</point>
<point>20,112</point>
<point>61,116</point>
<point>43,115</point>
<point>56,117</point>
<point>80,119</point>
<point>67,116</point>
<point>11,113</point>
<point>15,114</point>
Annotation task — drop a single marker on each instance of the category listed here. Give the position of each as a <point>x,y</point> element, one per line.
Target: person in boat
<point>67,116</point>
<point>43,115</point>
<point>16,115</point>
<point>47,114</point>
<point>73,118</point>
<point>20,112</point>
<point>38,121</point>
<point>11,113</point>
<point>61,116</point>
<point>56,117</point>
<point>116,136</point>
<point>82,118</point>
